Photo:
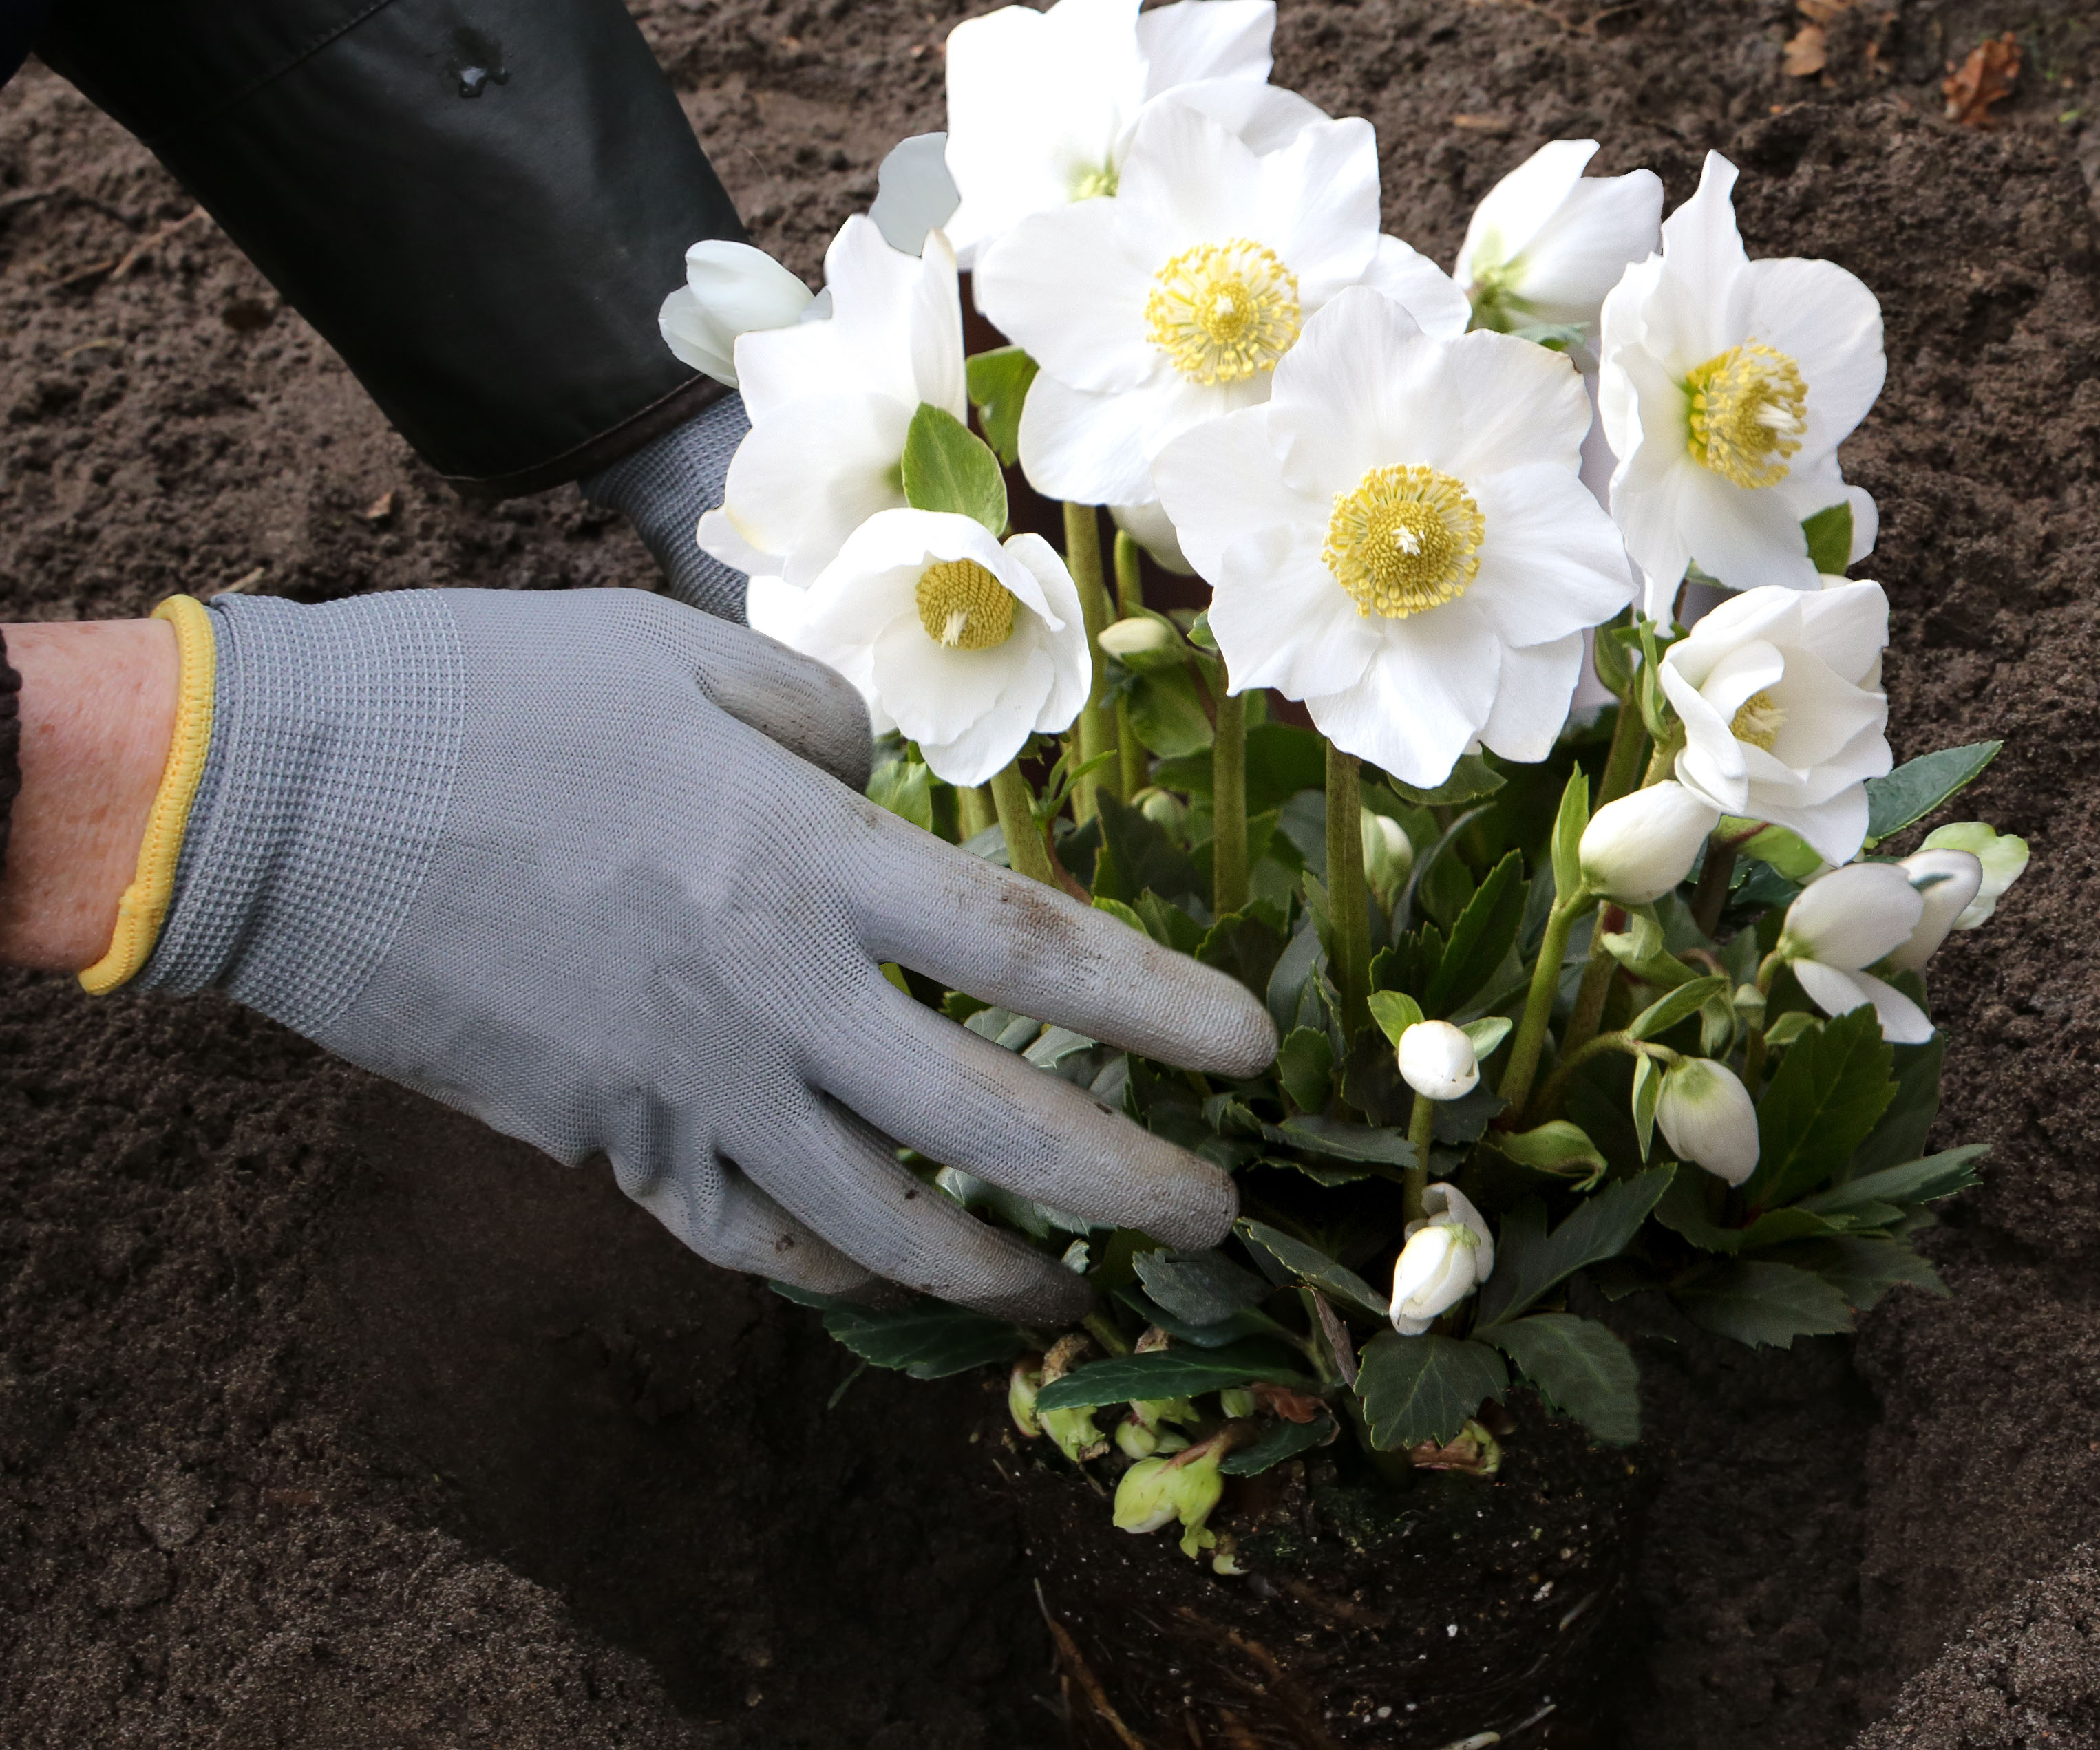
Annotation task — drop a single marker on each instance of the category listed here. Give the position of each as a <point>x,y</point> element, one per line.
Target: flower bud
<point>1707,1118</point>
<point>1388,855</point>
<point>1236,1402</point>
<point>1165,811</point>
<point>1136,1439</point>
<point>1155,1491</point>
<point>1143,643</point>
<point>1639,848</point>
<point>1947,881</point>
<point>1438,1267</point>
<point>1437,1060</point>
<point>1074,1430</point>
<point>1021,1386</point>
<point>2003,858</point>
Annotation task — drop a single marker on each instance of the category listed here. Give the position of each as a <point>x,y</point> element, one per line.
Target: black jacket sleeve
<point>480,204</point>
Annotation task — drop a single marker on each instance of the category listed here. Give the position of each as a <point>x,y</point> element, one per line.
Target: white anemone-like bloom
<point>964,645</point>
<point>1546,243</point>
<point>830,402</point>
<point>1446,1257</point>
<point>730,289</point>
<point>1708,1118</point>
<point>2003,855</point>
<point>1173,302</point>
<point>1041,104</point>
<point>1784,718</point>
<point>1844,922</point>
<point>1399,539</point>
<point>1727,385</point>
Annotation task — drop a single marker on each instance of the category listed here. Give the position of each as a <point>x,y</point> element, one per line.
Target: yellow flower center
<point>1759,720</point>
<point>963,607</point>
<point>1408,539</point>
<point>1749,410</point>
<point>1089,185</point>
<point>1223,311</point>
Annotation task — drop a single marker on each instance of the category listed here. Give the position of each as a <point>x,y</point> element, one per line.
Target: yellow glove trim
<point>143,909</point>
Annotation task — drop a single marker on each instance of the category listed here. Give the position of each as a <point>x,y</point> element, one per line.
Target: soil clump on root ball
<point>328,1419</point>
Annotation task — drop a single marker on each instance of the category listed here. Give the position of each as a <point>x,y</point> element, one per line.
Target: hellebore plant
<point>1575,1016</point>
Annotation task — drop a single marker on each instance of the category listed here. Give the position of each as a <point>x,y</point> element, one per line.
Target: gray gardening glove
<point>663,487</point>
<point>548,858</point>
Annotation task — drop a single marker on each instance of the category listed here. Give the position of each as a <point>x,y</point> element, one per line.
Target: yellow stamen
<point>1224,312</point>
<point>1749,410</point>
<point>1407,539</point>
<point>1759,720</point>
<point>963,607</point>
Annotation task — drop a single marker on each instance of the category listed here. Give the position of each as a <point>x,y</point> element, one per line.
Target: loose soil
<point>328,1419</point>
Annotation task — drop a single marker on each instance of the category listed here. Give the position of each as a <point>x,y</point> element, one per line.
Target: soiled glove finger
<point>1040,953</point>
<point>961,1099</point>
<point>714,1208</point>
<point>809,708</point>
<point>841,1177</point>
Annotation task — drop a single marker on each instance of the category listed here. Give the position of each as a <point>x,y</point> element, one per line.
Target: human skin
<point>98,711</point>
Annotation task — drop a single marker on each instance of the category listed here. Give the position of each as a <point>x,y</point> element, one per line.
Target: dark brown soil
<point>329,1419</point>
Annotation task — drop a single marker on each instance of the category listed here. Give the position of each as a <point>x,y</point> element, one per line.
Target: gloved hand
<point>543,856</point>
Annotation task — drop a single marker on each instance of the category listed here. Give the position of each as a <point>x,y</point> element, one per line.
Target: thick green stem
<point>1660,765</point>
<point>1229,841</point>
<point>1421,1133</point>
<point>1130,599</point>
<point>1347,898</point>
<point>1712,893</point>
<point>1130,580</point>
<point>1026,852</point>
<point>1556,1084</point>
<point>975,811</point>
<point>1104,1333</point>
<point>1629,736</point>
<point>1538,1005</point>
<point>1082,557</point>
<point>1595,987</point>
<point>1753,1063</point>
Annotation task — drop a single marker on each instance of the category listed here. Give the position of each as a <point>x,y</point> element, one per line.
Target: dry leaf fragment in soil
<point>1987,77</point>
<point>1807,51</point>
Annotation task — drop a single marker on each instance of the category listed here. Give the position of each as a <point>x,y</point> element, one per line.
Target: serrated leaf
<point>1682,1211</point>
<point>1201,1288</point>
<point>1168,713</point>
<point>1900,1135</point>
<point>1244,946</point>
<point>1310,1265</point>
<point>947,467</point>
<point>928,1339</point>
<point>1285,1440</point>
<point>1239,1328</point>
<point>1864,1270</point>
<point>1555,1147</point>
<point>1480,938</point>
<point>1763,1304</point>
<point>1425,1388</point>
<point>1143,857</point>
<point>905,787</point>
<point>1168,1373</point>
<point>1914,789</point>
<point>1395,1011</point>
<point>1345,1141</point>
<point>1471,778</point>
<point>999,382</point>
<point>1830,1090</point>
<point>1167,923</point>
<point>1123,913</point>
<point>1300,960</point>
<point>1681,1004</point>
<point>1582,1368</point>
<point>1305,1065</point>
<point>1648,1091</point>
<point>1530,1264</point>
<point>1937,1176</point>
<point>1830,533</point>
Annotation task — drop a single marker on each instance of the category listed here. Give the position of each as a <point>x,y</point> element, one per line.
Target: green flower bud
<point>1388,856</point>
<point>1155,1491</point>
<point>1021,1386</point>
<point>1236,1402</point>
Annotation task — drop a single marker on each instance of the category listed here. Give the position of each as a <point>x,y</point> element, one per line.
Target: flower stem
<point>1026,852</point>
<point>1629,736</point>
<point>1229,845</point>
<point>1595,987</point>
<point>1556,1084</point>
<point>1538,1005</point>
<point>1421,1133</point>
<point>975,811</point>
<point>1103,1329</point>
<point>1659,764</point>
<point>1753,1063</point>
<point>1082,557</point>
<point>1347,900</point>
<point>1130,598</point>
<point>1130,580</point>
<point>1712,893</point>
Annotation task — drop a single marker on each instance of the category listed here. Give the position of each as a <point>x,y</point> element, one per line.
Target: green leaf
<point>1471,778</point>
<point>1286,985</point>
<point>1582,1368</point>
<point>1168,924</point>
<point>1937,1176</point>
<point>1285,1440</point>
<point>1199,1287</point>
<point>928,1339</point>
<point>1830,1089</point>
<point>1344,1142</point>
<point>948,467</point>
<point>1281,761</point>
<point>1648,1093</point>
<point>1778,848</point>
<point>1305,1065</point>
<point>1863,1269</point>
<point>1530,1264</point>
<point>1683,1210</point>
<point>1425,1388</point>
<point>1790,1026</point>
<point>1246,946</point>
<point>1483,934</point>
<point>999,382</point>
<point>1123,913</point>
<point>1310,1265</point>
<point>1555,1147</point>
<point>1681,1004</point>
<point>1167,714</point>
<point>1167,1374</point>
<point>1914,789</point>
<point>905,787</point>
<point>1395,1012</point>
<point>1640,949</point>
<point>1829,535</point>
<point>1762,1303</point>
<point>1568,825</point>
<point>1900,1135</point>
<point>1144,857</point>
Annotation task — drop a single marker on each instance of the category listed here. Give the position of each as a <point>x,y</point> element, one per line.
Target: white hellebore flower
<point>730,288</point>
<point>1041,104</point>
<point>1707,1118</point>
<point>1639,848</point>
<point>830,402</point>
<point>1446,1257</point>
<point>2003,858</point>
<point>1546,243</point>
<point>965,646</point>
<point>914,193</point>
<point>1845,922</point>
<point>1784,718</point>
<point>1726,387</point>
<point>1399,538</point>
<point>1437,1060</point>
<point>1172,303</point>
<point>1947,881</point>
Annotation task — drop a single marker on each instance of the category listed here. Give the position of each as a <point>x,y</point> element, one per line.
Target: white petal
<point>806,478</point>
<point>1423,700</point>
<point>1419,287</point>
<point>1318,198</point>
<point>1266,116</point>
<point>1281,620</point>
<point>1847,625</point>
<point>1532,694</point>
<point>1828,322</point>
<point>1852,916</point>
<point>1551,563</point>
<point>1521,403</point>
<point>777,610</point>
<point>1834,829</point>
<point>1206,39</point>
<point>937,371</point>
<point>1150,527</point>
<point>1222,481</point>
<point>1065,285</point>
<point>1833,990</point>
<point>1746,538</point>
<point>1363,388</point>
<point>1902,1021</point>
<point>719,537</point>
<point>1086,449</point>
<point>1955,877</point>
<point>1185,180</point>
<point>939,695</point>
<point>1062,630</point>
<point>1703,252</point>
<point>695,338</point>
<point>914,193</point>
<point>1606,223</point>
<point>743,289</point>
<point>1517,208</point>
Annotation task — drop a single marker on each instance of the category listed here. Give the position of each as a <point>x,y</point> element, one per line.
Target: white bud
<point>1140,636</point>
<point>2003,855</point>
<point>730,288</point>
<point>1947,881</point>
<point>1436,1270</point>
<point>1437,1060</point>
<point>1706,1117</point>
<point>1639,848</point>
<point>1388,855</point>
